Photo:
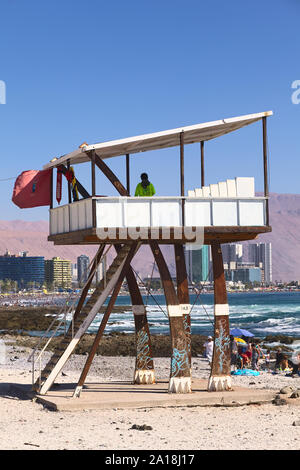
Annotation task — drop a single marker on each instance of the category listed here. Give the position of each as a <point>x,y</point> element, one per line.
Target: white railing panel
<point>89,212</point>
<point>158,212</point>
<point>109,213</point>
<point>137,213</point>
<point>66,219</point>
<point>53,222</point>
<point>62,223</point>
<point>82,224</point>
<point>224,213</point>
<point>74,216</point>
<point>252,213</point>
<point>197,213</point>
<point>166,213</point>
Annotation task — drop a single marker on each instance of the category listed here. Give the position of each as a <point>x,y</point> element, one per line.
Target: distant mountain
<point>17,235</point>
<point>285,236</point>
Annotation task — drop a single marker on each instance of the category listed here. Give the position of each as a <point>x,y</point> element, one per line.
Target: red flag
<point>58,185</point>
<point>32,189</point>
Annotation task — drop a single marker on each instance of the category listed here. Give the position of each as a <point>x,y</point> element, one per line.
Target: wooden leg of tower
<point>183,295</point>
<point>180,375</point>
<point>102,326</point>
<point>144,367</point>
<point>220,378</point>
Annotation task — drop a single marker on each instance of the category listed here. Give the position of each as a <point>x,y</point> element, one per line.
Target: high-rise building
<point>244,275</point>
<point>266,259</point>
<point>22,268</point>
<point>232,254</point>
<point>197,263</point>
<point>58,272</point>
<point>261,255</point>
<point>83,262</point>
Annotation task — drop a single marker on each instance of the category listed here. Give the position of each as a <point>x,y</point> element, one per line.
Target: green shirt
<point>148,191</point>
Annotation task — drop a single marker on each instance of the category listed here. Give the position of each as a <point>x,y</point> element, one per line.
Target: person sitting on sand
<point>295,362</point>
<point>281,360</point>
<point>240,362</point>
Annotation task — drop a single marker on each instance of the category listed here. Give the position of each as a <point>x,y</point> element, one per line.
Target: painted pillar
<point>144,367</point>
<point>180,374</point>
<point>183,295</point>
<point>220,378</point>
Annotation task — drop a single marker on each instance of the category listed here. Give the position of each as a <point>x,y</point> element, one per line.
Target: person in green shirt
<point>144,188</point>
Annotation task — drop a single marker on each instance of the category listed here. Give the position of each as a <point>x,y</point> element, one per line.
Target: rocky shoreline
<point>17,323</point>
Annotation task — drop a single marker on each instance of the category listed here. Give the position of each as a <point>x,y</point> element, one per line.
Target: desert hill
<point>18,235</point>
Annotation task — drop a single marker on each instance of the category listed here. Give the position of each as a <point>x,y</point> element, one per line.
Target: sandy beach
<point>26,424</point>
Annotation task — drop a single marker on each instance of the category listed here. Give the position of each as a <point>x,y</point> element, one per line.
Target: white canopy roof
<point>157,140</point>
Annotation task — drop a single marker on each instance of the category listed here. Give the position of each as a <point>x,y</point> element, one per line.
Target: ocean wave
<point>263,314</point>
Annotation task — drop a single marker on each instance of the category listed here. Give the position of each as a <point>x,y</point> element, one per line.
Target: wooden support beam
<point>182,163</point>
<point>84,193</point>
<point>182,173</point>
<point>51,189</point>
<point>87,286</point>
<point>144,367</point>
<point>180,375</point>
<point>105,318</point>
<point>265,159</point>
<point>128,174</point>
<point>109,174</point>
<point>69,185</point>
<point>202,164</point>
<point>183,294</point>
<point>220,378</point>
<point>93,173</point>
<point>211,234</point>
<point>78,328</point>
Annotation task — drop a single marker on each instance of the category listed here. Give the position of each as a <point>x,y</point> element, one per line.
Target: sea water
<point>261,313</point>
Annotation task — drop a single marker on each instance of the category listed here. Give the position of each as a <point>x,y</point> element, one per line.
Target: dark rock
<point>279,402</point>
<point>283,339</point>
<point>287,390</point>
<point>142,427</point>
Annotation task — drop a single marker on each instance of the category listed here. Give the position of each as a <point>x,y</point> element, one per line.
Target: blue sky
<point>94,71</point>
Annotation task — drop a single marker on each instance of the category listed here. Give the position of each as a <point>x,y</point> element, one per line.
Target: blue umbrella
<point>240,332</point>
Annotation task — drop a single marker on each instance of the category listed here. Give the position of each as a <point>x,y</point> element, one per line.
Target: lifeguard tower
<point>223,212</point>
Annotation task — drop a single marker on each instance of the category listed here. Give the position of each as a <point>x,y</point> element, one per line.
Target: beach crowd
<point>247,353</point>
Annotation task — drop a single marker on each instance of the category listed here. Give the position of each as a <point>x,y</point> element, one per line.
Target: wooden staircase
<point>80,323</point>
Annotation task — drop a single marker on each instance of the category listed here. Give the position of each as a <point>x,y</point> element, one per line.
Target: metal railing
<point>158,211</point>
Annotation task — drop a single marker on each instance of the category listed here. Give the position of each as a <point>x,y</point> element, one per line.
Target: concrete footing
<point>144,376</point>
<point>113,395</point>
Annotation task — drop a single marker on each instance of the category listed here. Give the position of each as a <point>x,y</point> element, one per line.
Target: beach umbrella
<point>240,332</point>
<point>240,340</point>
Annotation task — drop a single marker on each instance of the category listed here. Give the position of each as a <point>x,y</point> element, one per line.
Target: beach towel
<point>245,372</point>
